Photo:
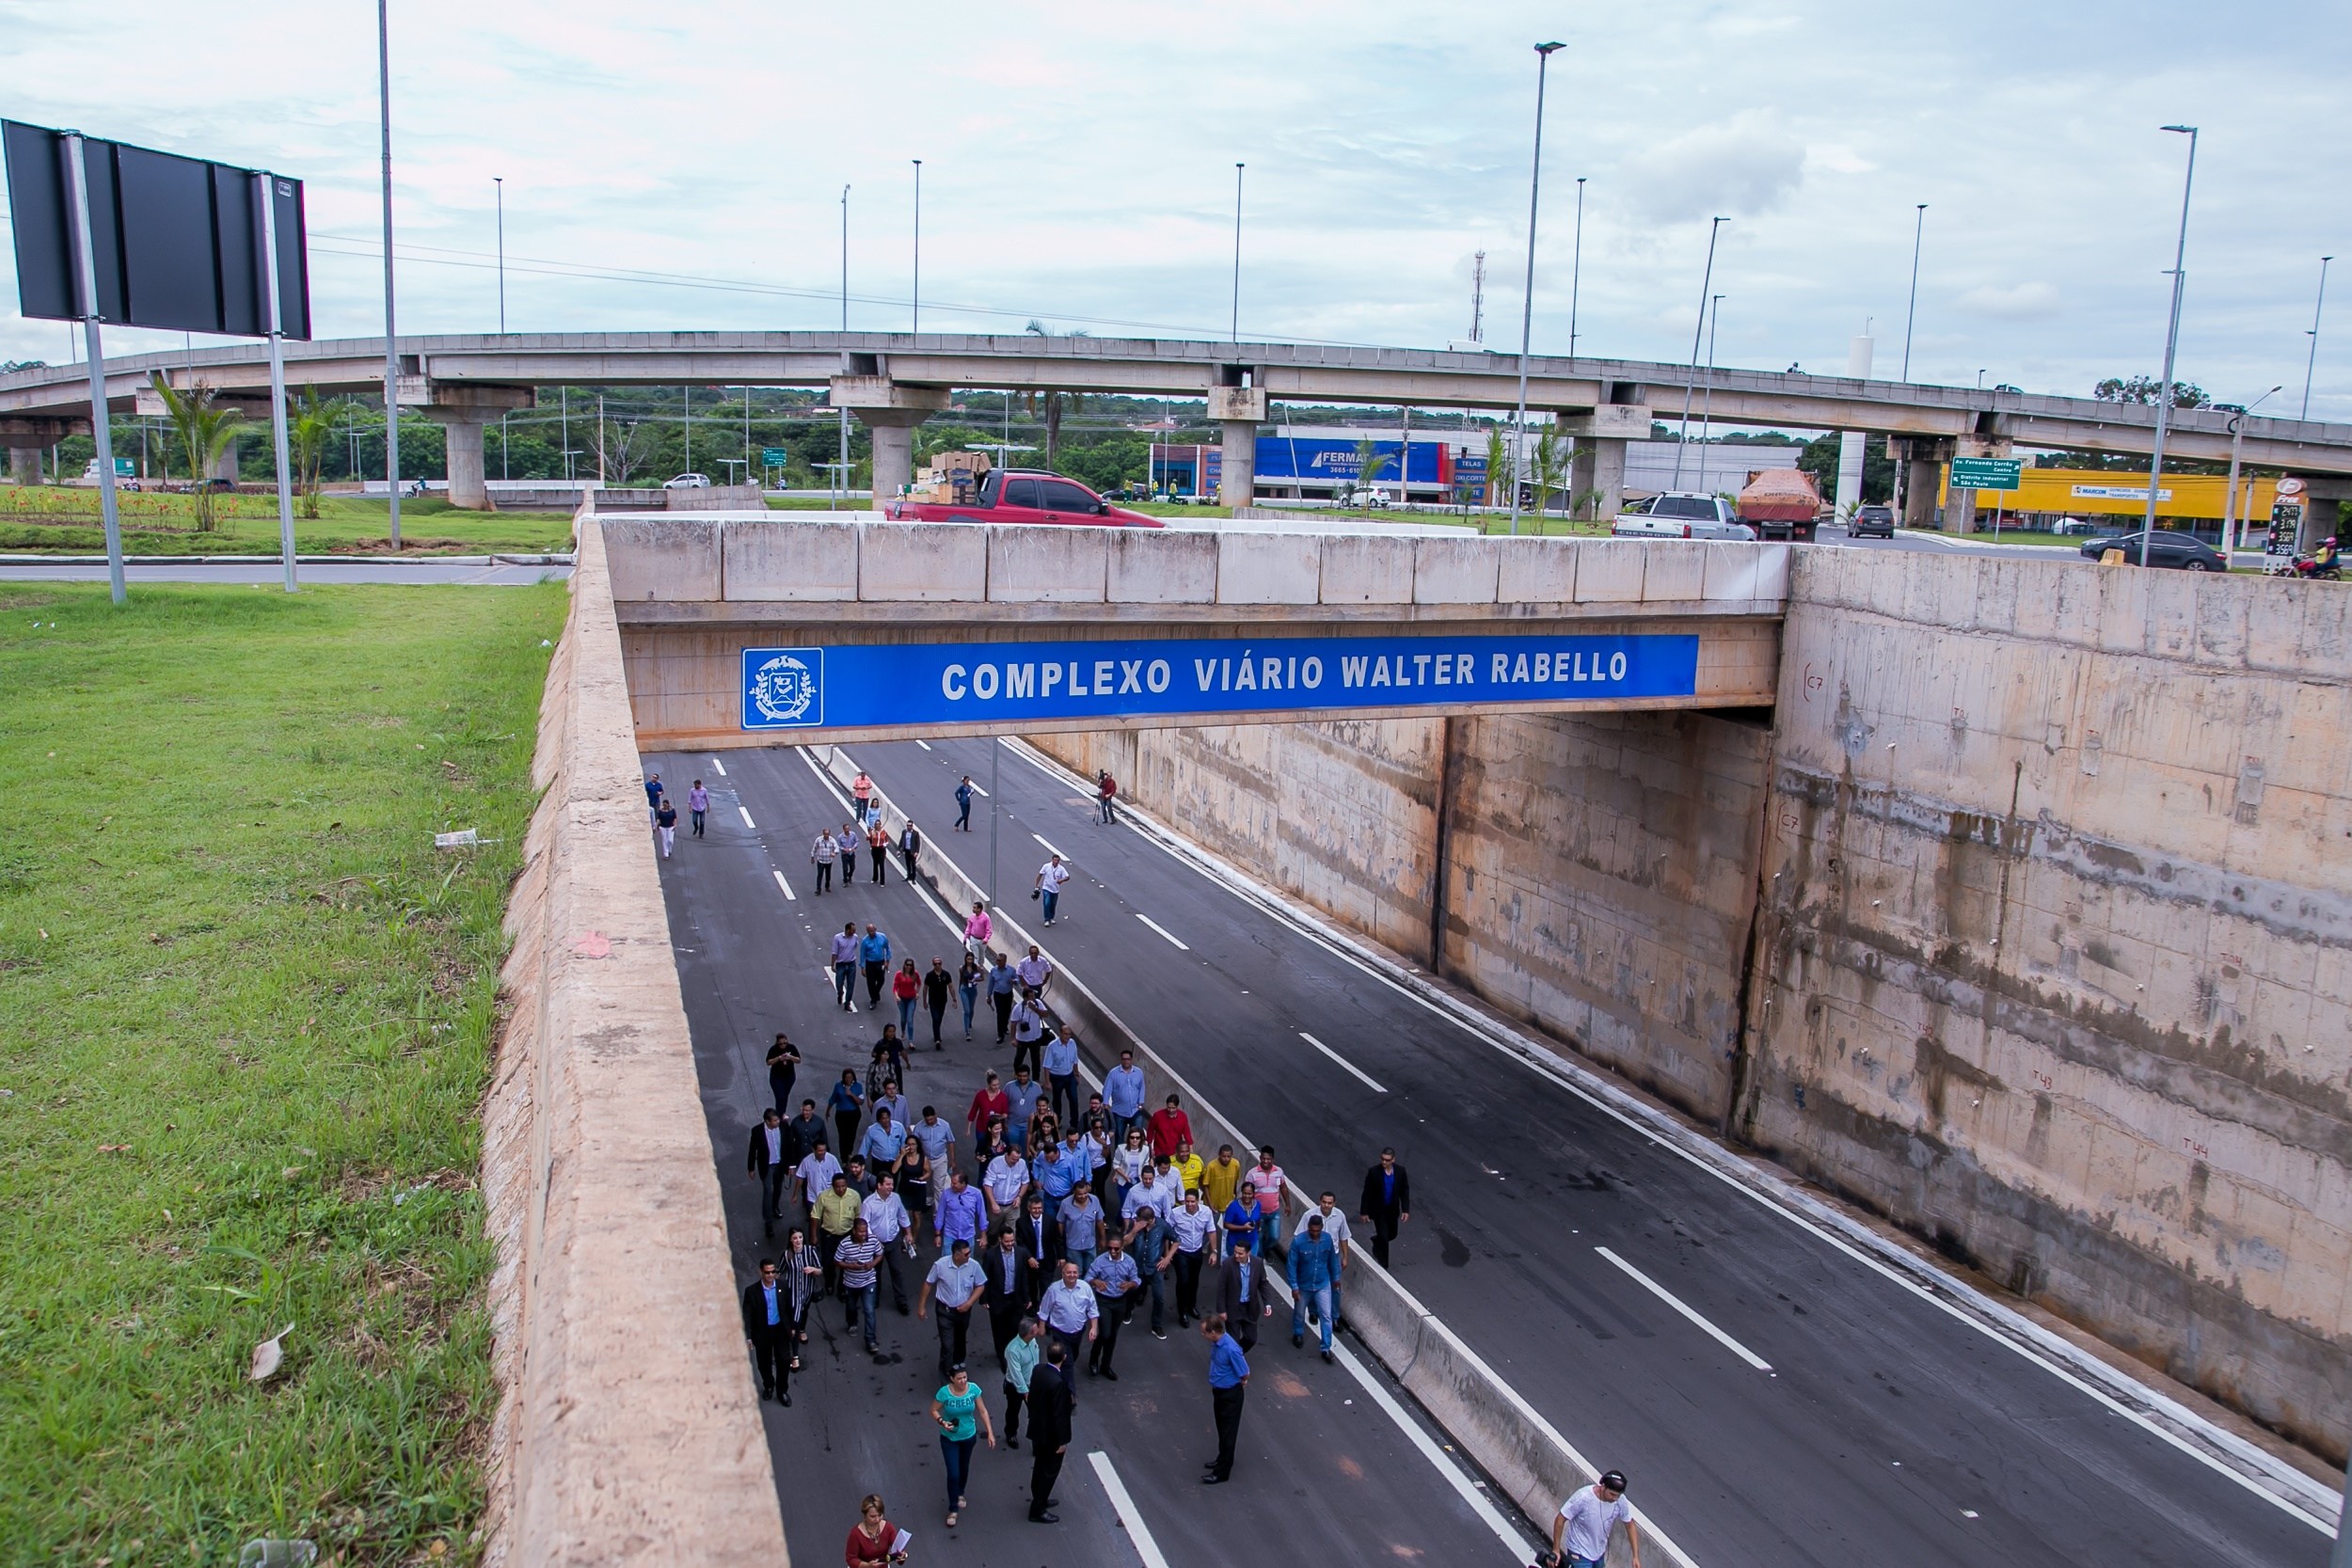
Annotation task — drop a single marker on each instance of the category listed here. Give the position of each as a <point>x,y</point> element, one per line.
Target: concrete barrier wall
<point>2052,874</point>
<point>628,1430</point>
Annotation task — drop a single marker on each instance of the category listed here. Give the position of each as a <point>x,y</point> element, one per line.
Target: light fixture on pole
<point>500,181</point>
<point>2312,363</point>
<point>917,326</point>
<point>1576,266</point>
<point>1237,326</point>
<point>391,355</point>
<point>2171,344</point>
<point>1918,233</point>
<point>1527,294</point>
<point>1682,436</point>
<point>2229,513</point>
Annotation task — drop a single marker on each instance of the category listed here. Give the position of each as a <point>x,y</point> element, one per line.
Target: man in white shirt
<point>1195,1230</point>
<point>1036,971</point>
<point>822,854</point>
<point>1028,1031</point>
<point>885,1217</point>
<point>1163,1188</point>
<point>938,1141</point>
<point>954,1285</point>
<point>1069,1312</point>
<point>1006,1178</point>
<point>815,1173</point>
<point>1581,1533</point>
<point>1335,1231</point>
<point>1050,878</point>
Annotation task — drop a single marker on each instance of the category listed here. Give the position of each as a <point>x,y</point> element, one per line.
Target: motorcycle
<point>2310,568</point>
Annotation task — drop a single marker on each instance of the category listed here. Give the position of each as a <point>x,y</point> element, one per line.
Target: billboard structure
<point>107,233</point>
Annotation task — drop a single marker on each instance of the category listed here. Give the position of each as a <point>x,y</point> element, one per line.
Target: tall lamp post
<point>1527,295</point>
<point>1707,280</point>
<point>2171,344</point>
<point>917,326</point>
<point>2312,363</point>
<point>1707,409</point>
<point>2230,521</point>
<point>1576,266</point>
<point>1236,324</point>
<point>392,356</point>
<point>1918,233</point>
<point>841,416</point>
<point>500,181</point>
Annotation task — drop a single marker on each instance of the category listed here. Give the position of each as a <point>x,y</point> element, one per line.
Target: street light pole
<point>500,181</point>
<point>1707,279</point>
<point>392,356</point>
<point>1527,294</point>
<point>918,245</point>
<point>841,416</point>
<point>1918,233</point>
<point>1236,326</point>
<point>2312,363</point>
<point>2171,344</point>
<point>1576,267</point>
<point>1707,413</point>
<point>2230,521</point>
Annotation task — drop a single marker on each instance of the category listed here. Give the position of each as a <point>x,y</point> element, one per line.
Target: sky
<point>1077,166</point>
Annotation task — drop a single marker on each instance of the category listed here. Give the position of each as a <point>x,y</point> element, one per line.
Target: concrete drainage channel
<point>1508,1439</point>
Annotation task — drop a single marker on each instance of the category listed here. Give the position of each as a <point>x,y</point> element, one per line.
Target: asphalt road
<point>1946,543</point>
<point>1326,1468</point>
<point>1879,1429</point>
<point>473,572</point>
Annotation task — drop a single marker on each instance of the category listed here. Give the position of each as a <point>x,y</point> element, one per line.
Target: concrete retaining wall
<point>628,1430</point>
<point>2049,873</point>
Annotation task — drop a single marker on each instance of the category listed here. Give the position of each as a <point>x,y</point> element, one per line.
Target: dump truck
<point>1781,504</point>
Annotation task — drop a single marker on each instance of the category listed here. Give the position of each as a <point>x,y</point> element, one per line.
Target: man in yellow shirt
<point>1220,1178</point>
<point>1188,1165</point>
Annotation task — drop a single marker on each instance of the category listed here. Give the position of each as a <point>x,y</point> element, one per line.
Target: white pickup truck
<point>1680,514</point>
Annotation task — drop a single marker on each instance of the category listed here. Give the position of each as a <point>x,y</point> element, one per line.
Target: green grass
<point>64,520</point>
<point>246,1018</point>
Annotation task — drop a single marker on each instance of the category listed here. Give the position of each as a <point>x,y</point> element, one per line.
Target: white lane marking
<point>784,887</point>
<point>720,768</point>
<point>1049,846</point>
<point>1963,1305</point>
<point>1162,931</point>
<point>1125,1507</point>
<point>1341,1060</point>
<point>1685,1308</point>
<point>978,791</point>
<point>925,744</point>
<point>747,818</point>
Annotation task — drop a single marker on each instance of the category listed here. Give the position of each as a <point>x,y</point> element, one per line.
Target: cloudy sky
<point>681,165</point>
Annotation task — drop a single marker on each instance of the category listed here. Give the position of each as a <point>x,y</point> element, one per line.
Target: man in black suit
<point>768,1324</point>
<point>1241,1294</point>
<point>1049,1432</point>
<point>775,1150</point>
<point>1387,1203</point>
<point>1007,1291</point>
<point>1039,1242</point>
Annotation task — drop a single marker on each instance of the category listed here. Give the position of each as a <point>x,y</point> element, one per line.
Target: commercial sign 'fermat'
<point>878,685</point>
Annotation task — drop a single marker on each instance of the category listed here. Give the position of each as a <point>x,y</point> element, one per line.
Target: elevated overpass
<point>751,629</point>
<point>892,381</point>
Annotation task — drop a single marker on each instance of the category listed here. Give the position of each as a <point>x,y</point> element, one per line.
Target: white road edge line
<point>2296,1494</point>
<point>747,818</point>
<point>925,744</point>
<point>1687,1311</point>
<point>718,768</point>
<point>1162,931</point>
<point>1124,1508</point>
<point>1341,1060</point>
<point>784,887</point>
<point>1049,846</point>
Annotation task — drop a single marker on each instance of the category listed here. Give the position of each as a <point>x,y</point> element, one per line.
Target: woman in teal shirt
<point>960,1414</point>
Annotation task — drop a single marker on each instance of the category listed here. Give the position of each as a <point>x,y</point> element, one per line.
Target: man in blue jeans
<point>860,1257</point>
<point>1315,1264</point>
<point>1061,1073</point>
<point>874,953</point>
<point>964,805</point>
<point>845,965</point>
<point>1123,1091</point>
<point>1050,878</point>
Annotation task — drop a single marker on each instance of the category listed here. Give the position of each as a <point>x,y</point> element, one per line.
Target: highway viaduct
<point>894,381</point>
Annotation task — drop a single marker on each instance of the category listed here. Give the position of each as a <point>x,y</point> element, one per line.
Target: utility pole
<point>500,181</point>
<point>1707,280</point>
<point>1918,231</point>
<point>1707,409</point>
<point>2171,344</point>
<point>391,355</point>
<point>1237,326</point>
<point>841,416</point>
<point>1576,267</point>
<point>1527,294</point>
<point>86,274</point>
<point>2312,363</point>
<point>918,247</point>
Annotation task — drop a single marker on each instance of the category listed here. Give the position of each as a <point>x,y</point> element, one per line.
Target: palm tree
<point>1370,460</point>
<point>308,434</point>
<point>206,428</point>
<point>1497,459</point>
<point>1549,464</point>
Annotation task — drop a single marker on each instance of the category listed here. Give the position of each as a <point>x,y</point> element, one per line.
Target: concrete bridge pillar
<point>24,465</point>
<point>1239,411</point>
<point>1922,473</point>
<point>892,431</point>
<point>225,466</point>
<point>1596,477</point>
<point>461,439</point>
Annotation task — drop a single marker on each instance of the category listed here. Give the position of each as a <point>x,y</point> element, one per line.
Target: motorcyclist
<point>2325,561</point>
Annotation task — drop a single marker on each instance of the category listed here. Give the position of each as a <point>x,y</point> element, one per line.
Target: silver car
<point>1680,514</point>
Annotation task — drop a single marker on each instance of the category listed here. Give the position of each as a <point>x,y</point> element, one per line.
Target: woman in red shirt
<point>987,1105</point>
<point>873,1539</point>
<point>907,986</point>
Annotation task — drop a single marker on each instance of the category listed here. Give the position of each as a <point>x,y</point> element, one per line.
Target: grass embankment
<point>246,1018</point>
<point>64,520</point>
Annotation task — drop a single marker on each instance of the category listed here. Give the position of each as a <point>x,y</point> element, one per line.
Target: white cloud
<point>2020,302</point>
<point>1739,169</point>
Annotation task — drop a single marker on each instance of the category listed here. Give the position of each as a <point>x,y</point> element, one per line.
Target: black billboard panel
<point>175,242</point>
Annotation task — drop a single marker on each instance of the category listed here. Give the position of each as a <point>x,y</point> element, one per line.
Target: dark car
<point>2183,552</point>
<point>1872,520</point>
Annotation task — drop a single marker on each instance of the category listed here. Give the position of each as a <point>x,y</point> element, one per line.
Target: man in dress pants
<point>1007,1291</point>
<point>1049,1432</point>
<point>768,1324</point>
<point>1241,1294</point>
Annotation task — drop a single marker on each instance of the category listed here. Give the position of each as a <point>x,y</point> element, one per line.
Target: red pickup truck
<point>1022,496</point>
